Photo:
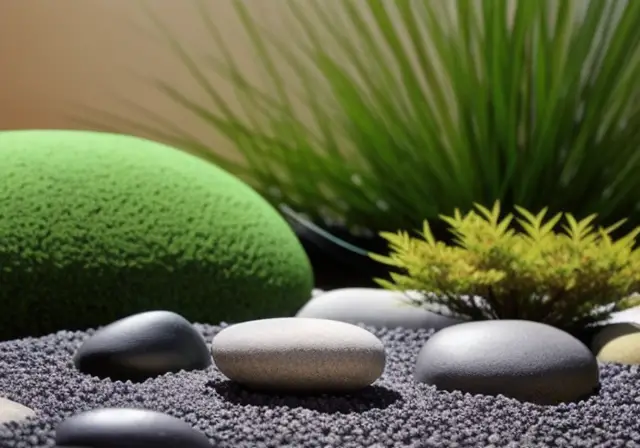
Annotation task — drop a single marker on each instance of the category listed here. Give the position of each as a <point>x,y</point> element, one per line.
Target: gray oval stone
<point>375,307</point>
<point>10,411</point>
<point>143,345</point>
<point>128,428</point>
<point>299,354</point>
<point>525,360</point>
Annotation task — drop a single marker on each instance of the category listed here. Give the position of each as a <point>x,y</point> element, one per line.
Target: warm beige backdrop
<point>56,53</point>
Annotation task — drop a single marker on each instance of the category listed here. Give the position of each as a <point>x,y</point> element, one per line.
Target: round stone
<point>525,360</point>
<point>299,354</point>
<point>10,411</point>
<point>630,315</point>
<point>619,343</point>
<point>142,346</point>
<point>375,307</point>
<point>123,427</point>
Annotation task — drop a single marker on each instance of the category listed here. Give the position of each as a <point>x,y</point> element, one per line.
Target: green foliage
<point>95,227</point>
<point>382,113</point>
<point>566,279</point>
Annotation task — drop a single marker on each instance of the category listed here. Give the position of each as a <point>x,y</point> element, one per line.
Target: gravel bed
<point>394,412</point>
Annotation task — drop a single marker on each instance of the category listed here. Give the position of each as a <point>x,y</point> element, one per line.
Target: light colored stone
<point>520,359</point>
<point>375,307</point>
<point>12,411</point>
<point>618,342</point>
<point>299,354</point>
<point>631,315</point>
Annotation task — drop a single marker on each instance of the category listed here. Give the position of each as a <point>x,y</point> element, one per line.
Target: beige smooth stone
<point>12,411</point>
<point>619,343</point>
<point>299,354</point>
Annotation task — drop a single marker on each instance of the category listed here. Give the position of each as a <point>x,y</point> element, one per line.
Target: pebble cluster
<point>394,412</point>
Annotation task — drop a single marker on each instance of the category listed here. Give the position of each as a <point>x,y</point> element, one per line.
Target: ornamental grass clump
<point>381,113</point>
<point>569,279</point>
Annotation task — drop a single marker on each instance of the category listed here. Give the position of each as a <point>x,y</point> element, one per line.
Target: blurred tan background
<point>55,55</point>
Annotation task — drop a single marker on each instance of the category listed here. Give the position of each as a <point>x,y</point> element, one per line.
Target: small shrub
<point>568,280</point>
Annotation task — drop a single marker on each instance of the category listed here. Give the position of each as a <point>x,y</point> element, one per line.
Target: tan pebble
<point>299,354</point>
<point>12,411</point>
<point>619,343</point>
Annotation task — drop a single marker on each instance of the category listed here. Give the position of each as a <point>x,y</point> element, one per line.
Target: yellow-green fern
<point>567,279</point>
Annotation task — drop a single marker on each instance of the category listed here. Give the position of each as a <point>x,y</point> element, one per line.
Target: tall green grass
<point>381,114</point>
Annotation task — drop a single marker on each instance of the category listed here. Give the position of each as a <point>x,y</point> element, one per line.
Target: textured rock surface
<point>95,227</point>
<point>520,359</point>
<point>142,346</point>
<point>619,343</point>
<point>128,428</point>
<point>376,307</point>
<point>298,354</point>
<point>12,411</point>
<point>395,413</point>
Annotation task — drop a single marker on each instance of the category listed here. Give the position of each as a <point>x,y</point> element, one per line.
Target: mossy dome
<point>97,226</point>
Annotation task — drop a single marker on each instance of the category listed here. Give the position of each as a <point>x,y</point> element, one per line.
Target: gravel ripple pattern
<point>394,412</point>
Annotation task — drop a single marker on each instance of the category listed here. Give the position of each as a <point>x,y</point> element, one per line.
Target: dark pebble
<point>142,346</point>
<point>127,428</point>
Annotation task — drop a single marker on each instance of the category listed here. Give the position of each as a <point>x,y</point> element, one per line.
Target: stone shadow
<point>371,397</point>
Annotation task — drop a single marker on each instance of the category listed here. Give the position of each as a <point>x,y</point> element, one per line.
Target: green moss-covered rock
<point>94,227</point>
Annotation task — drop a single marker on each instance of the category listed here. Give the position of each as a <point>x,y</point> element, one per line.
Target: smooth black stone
<point>142,346</point>
<point>128,428</point>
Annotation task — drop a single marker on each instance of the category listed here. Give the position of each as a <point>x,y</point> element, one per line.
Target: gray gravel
<point>395,412</point>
